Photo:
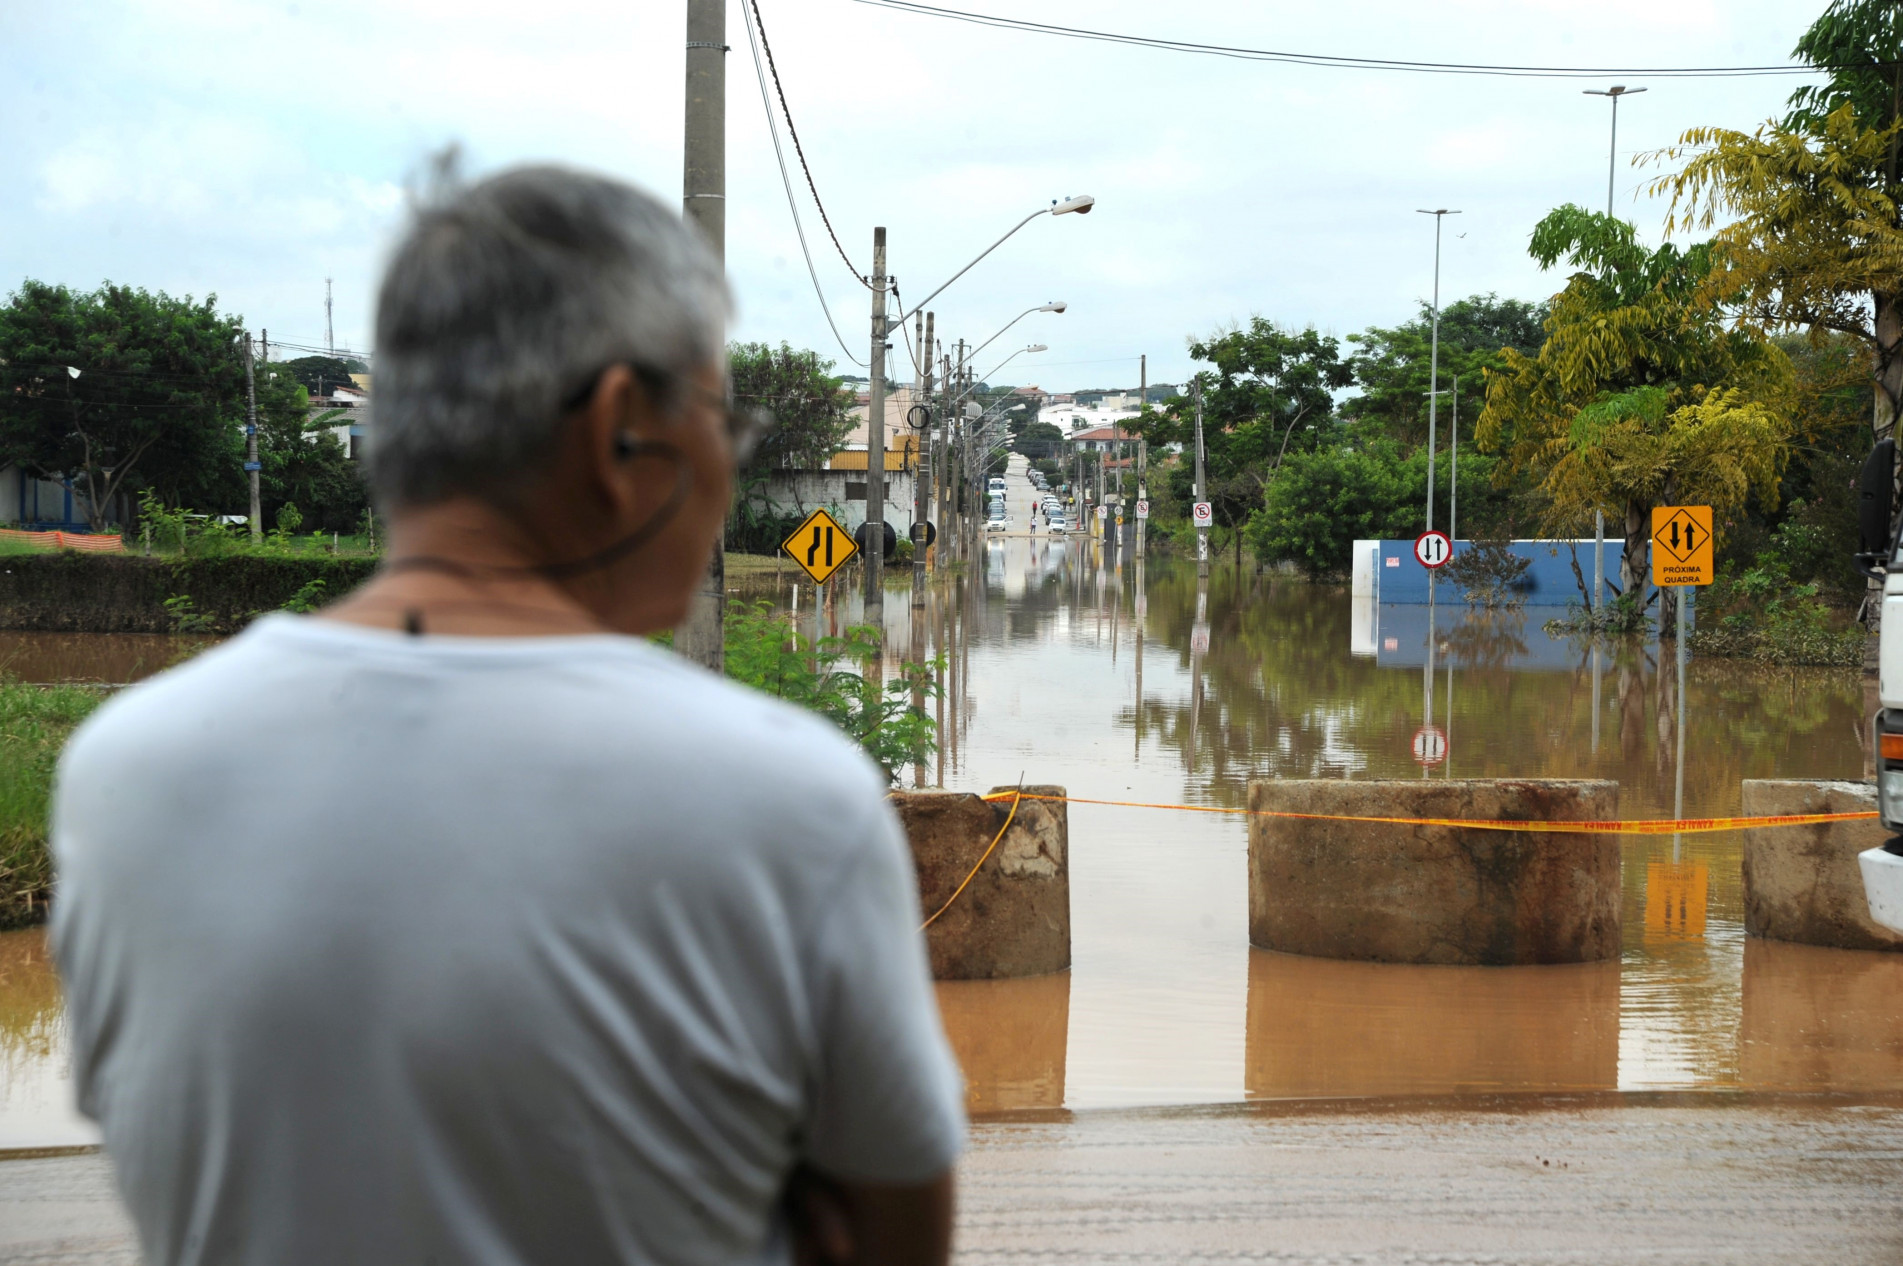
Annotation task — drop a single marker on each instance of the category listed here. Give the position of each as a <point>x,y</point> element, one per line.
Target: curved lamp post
<point>875,413</point>
<point>1080,204</point>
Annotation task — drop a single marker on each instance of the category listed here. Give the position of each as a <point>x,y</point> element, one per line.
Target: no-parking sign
<point>1203,513</point>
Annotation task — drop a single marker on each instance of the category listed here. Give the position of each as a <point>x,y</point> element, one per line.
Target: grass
<point>34,724</point>
<point>755,564</point>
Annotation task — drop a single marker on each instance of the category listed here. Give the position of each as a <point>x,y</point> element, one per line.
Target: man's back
<point>403,949</point>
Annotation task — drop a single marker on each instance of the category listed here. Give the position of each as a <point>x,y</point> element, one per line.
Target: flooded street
<point>1062,667</point>
<point>1059,673</point>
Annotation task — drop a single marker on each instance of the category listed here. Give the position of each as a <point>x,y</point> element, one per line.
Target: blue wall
<point>1549,582</point>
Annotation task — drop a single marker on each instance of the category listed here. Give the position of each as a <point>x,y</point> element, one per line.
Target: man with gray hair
<point>459,923</point>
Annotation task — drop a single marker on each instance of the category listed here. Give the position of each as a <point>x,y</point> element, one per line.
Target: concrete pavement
<point>1694,1178</point>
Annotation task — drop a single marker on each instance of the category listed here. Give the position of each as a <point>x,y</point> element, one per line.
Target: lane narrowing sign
<point>821,546</point>
<point>1433,549</point>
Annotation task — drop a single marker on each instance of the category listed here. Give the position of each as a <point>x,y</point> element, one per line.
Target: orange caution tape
<point>1661,826</point>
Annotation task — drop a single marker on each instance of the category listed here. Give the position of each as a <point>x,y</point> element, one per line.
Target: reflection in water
<point>1319,1027</point>
<point>1676,894</point>
<point>36,1095</point>
<point>1820,1017</point>
<point>1009,1036</point>
<point>1137,682</point>
<point>118,657</point>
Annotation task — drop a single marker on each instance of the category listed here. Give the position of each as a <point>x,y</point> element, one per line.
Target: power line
<point>1334,62</point>
<point>792,203</point>
<point>797,147</point>
<point>909,350</point>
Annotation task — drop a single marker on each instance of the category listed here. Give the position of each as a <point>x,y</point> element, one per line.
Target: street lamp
<point>1612,159</point>
<point>1058,306</point>
<point>1080,204</point>
<point>1599,516</point>
<point>1433,371</point>
<point>875,412</point>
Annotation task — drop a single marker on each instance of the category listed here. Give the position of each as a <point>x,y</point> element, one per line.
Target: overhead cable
<point>1335,62</point>
<point>799,149</point>
<point>909,349</point>
<point>792,203</point>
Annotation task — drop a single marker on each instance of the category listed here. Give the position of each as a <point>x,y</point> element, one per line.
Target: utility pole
<point>251,442</point>
<point>701,636</point>
<point>1143,469</point>
<point>1453,479</point>
<point>955,503</point>
<point>330,338</point>
<point>875,446</point>
<point>1103,456</point>
<point>1202,533</point>
<point>922,471</point>
<point>942,453</point>
<point>1599,515</point>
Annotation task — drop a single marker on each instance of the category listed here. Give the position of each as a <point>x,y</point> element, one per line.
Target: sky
<point>253,150</point>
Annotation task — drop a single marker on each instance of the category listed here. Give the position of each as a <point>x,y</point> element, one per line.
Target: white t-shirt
<point>390,949</point>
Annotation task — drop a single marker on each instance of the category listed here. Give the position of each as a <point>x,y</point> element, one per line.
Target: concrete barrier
<point>1014,917</point>
<point>1802,883</point>
<point>1403,893</point>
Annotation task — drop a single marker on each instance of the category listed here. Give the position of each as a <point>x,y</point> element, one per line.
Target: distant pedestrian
<point>460,923</point>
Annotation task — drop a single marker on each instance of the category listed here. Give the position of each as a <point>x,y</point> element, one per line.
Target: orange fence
<point>92,543</point>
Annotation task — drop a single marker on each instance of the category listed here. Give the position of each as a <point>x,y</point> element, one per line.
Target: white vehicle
<point>1881,557</point>
<point>1057,522</point>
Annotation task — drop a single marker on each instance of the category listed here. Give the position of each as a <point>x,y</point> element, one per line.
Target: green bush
<point>766,651</point>
<point>34,724</point>
<point>1761,612</point>
<point>70,592</point>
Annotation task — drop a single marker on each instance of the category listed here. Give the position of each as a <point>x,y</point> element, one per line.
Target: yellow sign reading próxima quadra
<point>821,545</point>
<point>1681,545</point>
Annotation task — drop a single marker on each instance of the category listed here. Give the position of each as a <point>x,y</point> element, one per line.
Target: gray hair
<point>502,299</point>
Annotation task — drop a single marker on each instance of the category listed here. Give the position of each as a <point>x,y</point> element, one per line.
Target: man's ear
<point>603,428</point>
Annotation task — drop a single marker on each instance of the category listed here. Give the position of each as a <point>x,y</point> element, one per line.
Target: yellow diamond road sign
<point>821,545</point>
<point>1681,545</point>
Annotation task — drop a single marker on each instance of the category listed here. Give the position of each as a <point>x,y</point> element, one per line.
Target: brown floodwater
<point>1061,666</point>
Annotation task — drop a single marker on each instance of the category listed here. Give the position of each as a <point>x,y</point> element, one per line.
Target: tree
<point>304,463</point>
<point>158,399</point>
<point>1818,239</point>
<point>1040,439</point>
<point>321,375</point>
<point>811,417</point>
<point>1323,501</point>
<point>811,411</point>
<point>1639,395</point>
<point>1271,393</point>
<point>1394,366</point>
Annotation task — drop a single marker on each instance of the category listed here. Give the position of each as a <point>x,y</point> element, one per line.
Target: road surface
<point>1692,1178</point>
